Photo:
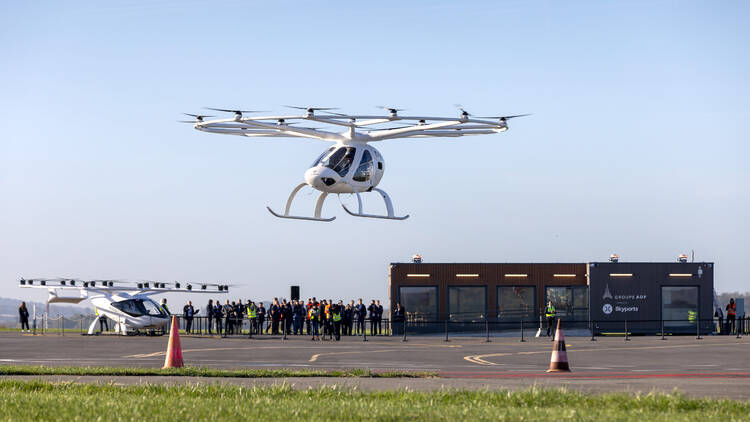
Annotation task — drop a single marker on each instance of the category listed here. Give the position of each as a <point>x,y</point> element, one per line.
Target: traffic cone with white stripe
<point>174,350</point>
<point>559,360</point>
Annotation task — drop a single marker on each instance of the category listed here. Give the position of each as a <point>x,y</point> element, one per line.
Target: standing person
<point>380,316</point>
<point>218,314</point>
<point>399,314</point>
<point>308,323</point>
<point>336,319</point>
<point>550,312</point>
<point>313,314</point>
<point>261,316</point>
<point>210,314</point>
<point>373,308</point>
<point>731,315</point>
<point>299,316</point>
<point>361,314</point>
<point>23,317</point>
<point>352,315</point>
<point>164,306</point>
<point>346,317</point>
<point>102,321</point>
<point>252,316</point>
<point>239,313</point>
<point>275,311</point>
<point>188,312</point>
<point>226,312</point>
<point>288,317</point>
<point>328,331</point>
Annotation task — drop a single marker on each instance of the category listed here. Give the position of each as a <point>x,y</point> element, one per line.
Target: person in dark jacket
<point>336,311</point>
<point>210,314</point>
<point>360,312</point>
<point>23,316</point>
<point>346,318</point>
<point>228,317</point>
<point>399,314</point>
<point>218,313</point>
<point>373,309</point>
<point>275,312</point>
<point>380,316</point>
<point>261,316</point>
<point>288,314</point>
<point>298,316</point>
<point>188,312</point>
<point>238,311</point>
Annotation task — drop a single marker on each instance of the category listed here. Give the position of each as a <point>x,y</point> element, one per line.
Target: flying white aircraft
<point>351,165</point>
<point>128,304</point>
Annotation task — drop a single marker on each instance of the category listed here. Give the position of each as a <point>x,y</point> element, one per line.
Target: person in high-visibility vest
<point>550,313</point>
<point>314,315</point>
<point>336,318</point>
<point>252,316</point>
<point>731,315</point>
<point>692,316</point>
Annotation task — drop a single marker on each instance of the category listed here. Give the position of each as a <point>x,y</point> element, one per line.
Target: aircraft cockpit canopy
<point>140,307</point>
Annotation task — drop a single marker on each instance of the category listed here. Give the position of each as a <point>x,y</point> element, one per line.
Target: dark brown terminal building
<point>474,292</point>
<point>600,295</point>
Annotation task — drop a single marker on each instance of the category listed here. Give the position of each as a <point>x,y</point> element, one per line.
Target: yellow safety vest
<point>336,317</point>
<point>550,312</point>
<point>252,312</point>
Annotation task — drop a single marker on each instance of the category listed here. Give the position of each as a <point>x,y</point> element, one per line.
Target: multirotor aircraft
<point>351,165</point>
<point>127,303</point>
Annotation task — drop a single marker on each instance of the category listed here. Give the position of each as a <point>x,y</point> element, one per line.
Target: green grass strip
<point>39,400</point>
<point>194,371</point>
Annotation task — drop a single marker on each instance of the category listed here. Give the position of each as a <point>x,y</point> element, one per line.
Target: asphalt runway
<point>716,366</point>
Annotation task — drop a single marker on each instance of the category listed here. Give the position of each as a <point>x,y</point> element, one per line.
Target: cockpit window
<point>341,160</point>
<point>139,307</point>
<point>321,156</point>
<point>364,171</point>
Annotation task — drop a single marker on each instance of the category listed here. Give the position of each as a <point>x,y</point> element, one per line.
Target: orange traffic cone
<point>174,350</point>
<point>559,360</point>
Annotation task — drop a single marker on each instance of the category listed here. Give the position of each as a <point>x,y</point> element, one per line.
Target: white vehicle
<point>128,304</point>
<point>351,165</point>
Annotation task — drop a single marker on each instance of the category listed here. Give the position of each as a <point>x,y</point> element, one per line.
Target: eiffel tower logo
<point>607,294</point>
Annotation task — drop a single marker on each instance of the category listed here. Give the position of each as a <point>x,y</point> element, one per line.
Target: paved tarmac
<point>713,366</point>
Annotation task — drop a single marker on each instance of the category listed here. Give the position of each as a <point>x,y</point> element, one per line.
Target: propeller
<point>312,109</point>
<point>198,118</point>
<point>394,111</point>
<point>464,114</point>
<point>238,113</point>
<point>504,118</point>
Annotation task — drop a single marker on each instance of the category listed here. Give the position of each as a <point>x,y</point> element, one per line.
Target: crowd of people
<point>315,318</point>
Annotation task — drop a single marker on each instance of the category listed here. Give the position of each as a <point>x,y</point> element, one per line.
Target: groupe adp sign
<point>644,293</point>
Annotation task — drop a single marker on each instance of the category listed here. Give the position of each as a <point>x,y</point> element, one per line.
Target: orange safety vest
<point>732,311</point>
<point>328,309</point>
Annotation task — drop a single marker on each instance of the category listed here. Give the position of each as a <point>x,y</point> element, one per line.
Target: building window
<point>516,302</point>
<point>571,303</point>
<point>679,306</point>
<point>467,303</point>
<point>419,302</point>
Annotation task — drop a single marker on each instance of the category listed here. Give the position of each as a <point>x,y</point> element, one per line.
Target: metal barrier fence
<point>201,326</point>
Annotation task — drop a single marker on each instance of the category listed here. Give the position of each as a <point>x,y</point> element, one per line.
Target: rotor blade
<point>504,117</point>
<point>312,108</point>
<point>197,115</point>
<point>234,111</point>
<point>188,121</point>
<point>392,109</point>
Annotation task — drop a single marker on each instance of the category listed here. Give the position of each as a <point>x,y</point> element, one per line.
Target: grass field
<point>205,372</point>
<point>40,400</point>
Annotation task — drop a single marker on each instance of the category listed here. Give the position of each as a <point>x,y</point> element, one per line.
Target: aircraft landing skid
<point>388,207</point>
<point>318,207</point>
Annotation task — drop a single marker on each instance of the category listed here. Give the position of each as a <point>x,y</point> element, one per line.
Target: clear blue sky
<point>638,143</point>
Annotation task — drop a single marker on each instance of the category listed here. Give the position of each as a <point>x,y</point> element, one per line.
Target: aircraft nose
<point>320,177</point>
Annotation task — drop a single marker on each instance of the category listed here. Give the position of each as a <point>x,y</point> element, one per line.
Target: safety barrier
<point>201,326</point>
